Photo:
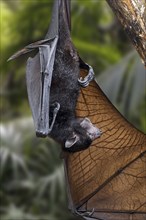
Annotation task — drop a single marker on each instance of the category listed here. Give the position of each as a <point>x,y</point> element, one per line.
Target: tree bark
<point>132,15</point>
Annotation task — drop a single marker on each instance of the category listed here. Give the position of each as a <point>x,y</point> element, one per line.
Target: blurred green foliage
<point>32,182</point>
<point>31,175</point>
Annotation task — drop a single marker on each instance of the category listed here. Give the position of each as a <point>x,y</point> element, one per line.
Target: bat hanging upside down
<point>53,84</point>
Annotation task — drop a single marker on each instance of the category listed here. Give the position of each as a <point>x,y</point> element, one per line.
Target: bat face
<point>92,131</point>
<point>84,132</point>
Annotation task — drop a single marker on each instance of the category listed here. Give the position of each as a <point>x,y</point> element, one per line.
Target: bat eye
<point>90,135</point>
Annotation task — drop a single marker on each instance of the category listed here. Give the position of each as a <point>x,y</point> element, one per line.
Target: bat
<point>107,180</point>
<point>54,82</point>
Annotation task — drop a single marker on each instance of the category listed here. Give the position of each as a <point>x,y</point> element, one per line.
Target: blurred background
<point>32,182</point>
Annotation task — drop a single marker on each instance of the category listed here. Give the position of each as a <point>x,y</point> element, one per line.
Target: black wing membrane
<point>39,70</point>
<point>38,78</point>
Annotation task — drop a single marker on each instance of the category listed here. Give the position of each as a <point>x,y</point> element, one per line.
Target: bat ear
<point>71,141</point>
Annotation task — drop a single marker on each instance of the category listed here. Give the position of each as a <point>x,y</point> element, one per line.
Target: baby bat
<point>53,85</point>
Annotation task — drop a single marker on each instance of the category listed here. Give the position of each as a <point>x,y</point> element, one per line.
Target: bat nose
<point>98,133</point>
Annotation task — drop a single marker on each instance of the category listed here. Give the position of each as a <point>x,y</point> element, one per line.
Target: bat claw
<point>55,111</point>
<point>57,107</point>
<point>85,214</point>
<point>85,82</point>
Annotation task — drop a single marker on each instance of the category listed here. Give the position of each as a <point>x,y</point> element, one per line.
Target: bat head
<point>84,132</point>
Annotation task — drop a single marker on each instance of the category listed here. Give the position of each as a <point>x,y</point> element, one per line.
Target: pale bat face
<point>90,133</point>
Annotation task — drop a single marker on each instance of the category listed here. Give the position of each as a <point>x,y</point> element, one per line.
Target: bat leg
<point>55,112</point>
<point>40,42</point>
<point>85,82</point>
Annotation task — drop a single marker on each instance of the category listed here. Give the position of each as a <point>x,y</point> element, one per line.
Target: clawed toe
<point>55,112</point>
<point>85,82</point>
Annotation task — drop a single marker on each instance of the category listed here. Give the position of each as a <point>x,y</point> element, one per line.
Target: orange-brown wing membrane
<point>108,180</point>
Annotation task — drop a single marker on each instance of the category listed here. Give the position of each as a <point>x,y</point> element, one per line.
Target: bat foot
<point>85,82</point>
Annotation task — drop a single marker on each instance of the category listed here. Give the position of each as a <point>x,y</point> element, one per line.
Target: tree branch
<point>132,15</point>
